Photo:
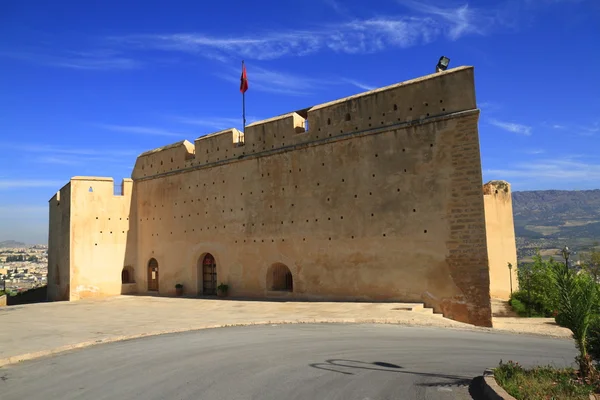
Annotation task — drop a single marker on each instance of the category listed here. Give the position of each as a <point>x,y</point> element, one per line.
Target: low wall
<point>37,295</point>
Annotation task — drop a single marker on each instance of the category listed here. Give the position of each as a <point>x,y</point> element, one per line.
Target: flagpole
<point>243,110</point>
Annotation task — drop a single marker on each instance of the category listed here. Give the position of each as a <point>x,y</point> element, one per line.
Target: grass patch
<point>541,382</point>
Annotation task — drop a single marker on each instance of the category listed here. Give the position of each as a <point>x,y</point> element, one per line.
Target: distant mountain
<point>11,243</point>
<point>551,219</point>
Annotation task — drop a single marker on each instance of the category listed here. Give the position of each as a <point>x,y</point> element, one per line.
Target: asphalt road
<point>287,362</point>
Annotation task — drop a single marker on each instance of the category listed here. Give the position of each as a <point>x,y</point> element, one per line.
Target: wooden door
<point>153,276</point>
<point>209,275</point>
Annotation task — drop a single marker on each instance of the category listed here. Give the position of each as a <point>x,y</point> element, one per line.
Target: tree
<point>591,263</point>
<point>577,295</point>
<point>537,292</point>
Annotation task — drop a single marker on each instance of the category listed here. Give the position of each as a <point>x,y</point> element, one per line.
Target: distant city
<point>23,267</point>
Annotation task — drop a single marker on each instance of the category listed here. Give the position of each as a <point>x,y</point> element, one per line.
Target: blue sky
<point>87,86</point>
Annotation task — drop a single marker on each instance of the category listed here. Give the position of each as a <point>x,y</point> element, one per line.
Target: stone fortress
<point>374,197</point>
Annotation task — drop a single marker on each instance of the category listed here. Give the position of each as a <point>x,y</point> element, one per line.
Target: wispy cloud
<point>337,7</point>
<point>360,85</point>
<point>88,60</point>
<point>217,123</point>
<point>142,130</point>
<point>590,130</point>
<point>76,151</point>
<point>567,170</point>
<point>512,127</point>
<point>458,21</point>
<point>267,80</point>
<point>489,106</point>
<point>28,183</point>
<point>423,25</point>
<point>21,211</point>
<point>535,151</point>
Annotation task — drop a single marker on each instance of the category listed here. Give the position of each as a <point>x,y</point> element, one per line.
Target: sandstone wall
<point>59,245</point>
<point>380,199</point>
<point>103,242</point>
<point>501,242</point>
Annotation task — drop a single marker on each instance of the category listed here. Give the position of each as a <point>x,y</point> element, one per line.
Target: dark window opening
<point>281,278</point>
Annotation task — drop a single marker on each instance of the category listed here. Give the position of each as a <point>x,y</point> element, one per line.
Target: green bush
<point>537,289</point>
<point>541,382</point>
<point>518,306</point>
<point>594,339</point>
<point>539,307</point>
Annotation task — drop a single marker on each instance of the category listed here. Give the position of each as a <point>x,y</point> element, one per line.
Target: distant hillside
<point>551,219</point>
<point>11,243</point>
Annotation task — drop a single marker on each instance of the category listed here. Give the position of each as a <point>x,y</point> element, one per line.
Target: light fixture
<point>566,253</point>
<point>442,64</point>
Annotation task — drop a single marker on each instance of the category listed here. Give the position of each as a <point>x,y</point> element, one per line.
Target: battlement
<point>392,107</point>
<point>101,186</point>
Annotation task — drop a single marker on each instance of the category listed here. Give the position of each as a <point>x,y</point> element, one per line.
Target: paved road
<point>288,362</point>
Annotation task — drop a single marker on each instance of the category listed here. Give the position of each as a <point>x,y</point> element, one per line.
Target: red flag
<point>243,80</point>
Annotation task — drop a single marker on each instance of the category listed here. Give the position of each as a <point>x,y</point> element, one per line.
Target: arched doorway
<point>208,268</point>
<point>279,278</point>
<point>153,275</point>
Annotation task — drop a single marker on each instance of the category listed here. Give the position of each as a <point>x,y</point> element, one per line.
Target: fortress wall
<point>500,238</point>
<point>430,96</point>
<point>59,245</point>
<point>217,146</point>
<point>274,133</point>
<point>162,160</point>
<point>396,214</point>
<point>387,208</point>
<point>102,240</point>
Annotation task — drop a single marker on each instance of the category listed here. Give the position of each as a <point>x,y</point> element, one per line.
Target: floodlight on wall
<point>442,64</point>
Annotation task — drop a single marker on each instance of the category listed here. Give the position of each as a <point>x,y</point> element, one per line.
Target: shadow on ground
<point>345,367</point>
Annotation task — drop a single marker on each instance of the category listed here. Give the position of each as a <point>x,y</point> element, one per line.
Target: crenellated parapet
<point>392,107</point>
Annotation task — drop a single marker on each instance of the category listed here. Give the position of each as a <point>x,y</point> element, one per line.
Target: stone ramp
<point>501,308</point>
<point>36,330</point>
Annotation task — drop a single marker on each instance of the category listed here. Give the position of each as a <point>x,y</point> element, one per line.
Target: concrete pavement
<point>35,330</point>
<point>326,361</point>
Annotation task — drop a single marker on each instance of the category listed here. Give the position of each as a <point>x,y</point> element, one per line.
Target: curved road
<point>287,362</point>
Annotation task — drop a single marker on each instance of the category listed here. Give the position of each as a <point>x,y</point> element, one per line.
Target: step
<point>501,308</point>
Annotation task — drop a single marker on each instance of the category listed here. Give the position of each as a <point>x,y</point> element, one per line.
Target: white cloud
<point>360,85</point>
<point>566,170</point>
<point>459,21</point>
<point>512,127</point>
<point>29,183</point>
<point>76,151</point>
<point>590,130</point>
<point>355,37</point>
<point>10,210</point>
<point>535,151</point>
<point>336,6</point>
<point>271,81</point>
<point>217,123</point>
<point>142,130</point>
<point>89,60</point>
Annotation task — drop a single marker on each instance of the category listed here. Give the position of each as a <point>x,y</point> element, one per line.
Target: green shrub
<point>520,300</point>
<point>518,306</point>
<point>537,288</point>
<point>594,339</point>
<point>541,382</point>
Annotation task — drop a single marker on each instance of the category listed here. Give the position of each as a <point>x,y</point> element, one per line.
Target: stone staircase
<point>415,307</point>
<point>501,308</point>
